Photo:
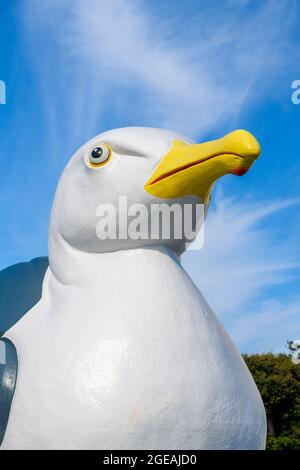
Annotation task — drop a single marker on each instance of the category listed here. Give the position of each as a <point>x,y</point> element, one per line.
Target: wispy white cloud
<point>128,55</point>
<point>241,261</point>
<point>267,327</point>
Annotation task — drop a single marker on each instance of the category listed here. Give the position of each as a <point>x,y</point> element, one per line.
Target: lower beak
<point>192,169</point>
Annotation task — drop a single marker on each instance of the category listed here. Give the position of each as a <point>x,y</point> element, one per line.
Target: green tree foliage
<point>278,380</point>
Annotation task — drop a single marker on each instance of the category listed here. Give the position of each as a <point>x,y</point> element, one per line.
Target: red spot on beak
<point>239,171</point>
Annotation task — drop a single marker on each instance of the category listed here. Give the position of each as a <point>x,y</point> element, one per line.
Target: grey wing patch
<point>20,289</point>
<point>8,378</point>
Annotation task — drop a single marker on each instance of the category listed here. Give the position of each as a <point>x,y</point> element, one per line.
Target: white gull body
<point>122,351</point>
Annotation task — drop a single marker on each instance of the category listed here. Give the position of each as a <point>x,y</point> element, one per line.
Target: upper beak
<point>192,169</point>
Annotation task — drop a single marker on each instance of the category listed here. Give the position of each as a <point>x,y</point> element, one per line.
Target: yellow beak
<point>191,170</point>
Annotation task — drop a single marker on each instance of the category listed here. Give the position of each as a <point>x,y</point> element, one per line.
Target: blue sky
<point>203,67</point>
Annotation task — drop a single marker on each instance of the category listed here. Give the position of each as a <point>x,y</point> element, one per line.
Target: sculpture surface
<point>122,351</point>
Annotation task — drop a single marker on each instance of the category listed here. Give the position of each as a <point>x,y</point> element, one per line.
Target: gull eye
<point>99,155</point>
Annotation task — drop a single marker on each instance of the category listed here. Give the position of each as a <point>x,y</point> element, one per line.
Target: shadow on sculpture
<point>20,289</point>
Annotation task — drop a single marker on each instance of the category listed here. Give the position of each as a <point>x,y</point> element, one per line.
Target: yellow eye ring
<point>99,155</point>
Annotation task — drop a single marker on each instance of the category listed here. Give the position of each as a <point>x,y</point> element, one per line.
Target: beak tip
<point>247,144</point>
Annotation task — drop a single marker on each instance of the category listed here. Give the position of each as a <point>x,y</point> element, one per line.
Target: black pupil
<point>97,152</point>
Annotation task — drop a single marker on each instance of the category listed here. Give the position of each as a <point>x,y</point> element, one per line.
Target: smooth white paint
<point>122,351</point>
